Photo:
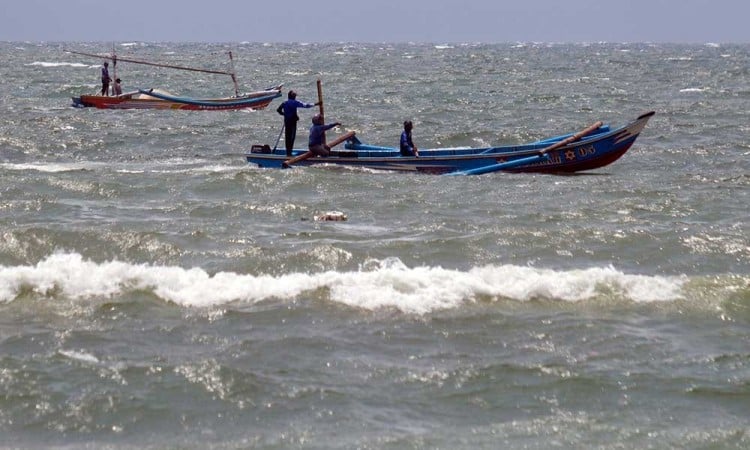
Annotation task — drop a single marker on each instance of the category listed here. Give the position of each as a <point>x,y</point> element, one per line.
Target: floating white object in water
<point>331,216</point>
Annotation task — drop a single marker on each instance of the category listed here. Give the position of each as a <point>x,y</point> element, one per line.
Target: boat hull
<point>598,149</point>
<point>150,99</point>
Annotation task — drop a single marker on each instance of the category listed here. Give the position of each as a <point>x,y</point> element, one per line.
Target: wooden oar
<point>502,166</point>
<point>279,138</point>
<point>593,127</point>
<point>539,157</point>
<point>308,154</point>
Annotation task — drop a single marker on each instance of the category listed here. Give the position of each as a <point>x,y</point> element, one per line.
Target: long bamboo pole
<point>308,154</point>
<point>320,106</point>
<point>135,61</point>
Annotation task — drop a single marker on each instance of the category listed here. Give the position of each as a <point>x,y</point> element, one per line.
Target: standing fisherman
<point>105,79</point>
<point>288,109</point>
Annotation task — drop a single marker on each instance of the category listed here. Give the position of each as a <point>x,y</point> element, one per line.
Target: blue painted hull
<point>597,149</point>
<point>258,100</point>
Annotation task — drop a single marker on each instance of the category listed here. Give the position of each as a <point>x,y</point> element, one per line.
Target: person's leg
<point>320,150</point>
<point>290,133</point>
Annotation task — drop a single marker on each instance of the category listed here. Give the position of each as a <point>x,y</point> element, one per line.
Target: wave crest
<point>379,284</point>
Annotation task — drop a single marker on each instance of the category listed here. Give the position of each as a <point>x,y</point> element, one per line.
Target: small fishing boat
<point>157,99</point>
<point>596,146</point>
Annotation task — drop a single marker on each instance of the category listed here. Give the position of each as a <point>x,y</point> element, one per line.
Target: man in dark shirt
<point>407,145</point>
<point>317,135</point>
<point>105,79</point>
<point>288,109</point>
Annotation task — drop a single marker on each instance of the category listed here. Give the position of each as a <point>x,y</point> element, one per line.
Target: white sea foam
<point>52,167</point>
<point>202,169</point>
<point>382,284</point>
<point>89,165</point>
<point>80,356</point>
<point>57,64</point>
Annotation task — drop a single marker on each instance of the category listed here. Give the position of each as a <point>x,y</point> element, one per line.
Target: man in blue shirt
<point>407,145</point>
<point>317,136</point>
<point>288,109</point>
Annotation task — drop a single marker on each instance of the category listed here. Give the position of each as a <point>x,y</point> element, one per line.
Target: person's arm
<point>323,128</point>
<point>280,109</point>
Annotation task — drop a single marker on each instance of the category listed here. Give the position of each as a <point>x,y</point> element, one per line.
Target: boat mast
<point>114,67</point>
<point>234,75</point>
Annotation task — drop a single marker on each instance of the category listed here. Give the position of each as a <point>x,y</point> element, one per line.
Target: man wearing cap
<point>317,136</point>
<point>288,109</point>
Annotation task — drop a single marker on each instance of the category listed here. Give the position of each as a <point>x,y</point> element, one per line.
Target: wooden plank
<point>309,154</point>
<point>595,126</point>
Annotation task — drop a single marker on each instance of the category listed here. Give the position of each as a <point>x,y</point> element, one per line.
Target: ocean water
<point>156,291</point>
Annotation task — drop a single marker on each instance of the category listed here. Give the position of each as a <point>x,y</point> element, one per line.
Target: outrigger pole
<point>114,58</point>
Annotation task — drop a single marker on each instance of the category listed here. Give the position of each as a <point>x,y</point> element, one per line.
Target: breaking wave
<point>379,284</point>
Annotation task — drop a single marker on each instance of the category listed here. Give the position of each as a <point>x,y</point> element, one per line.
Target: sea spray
<point>385,284</point>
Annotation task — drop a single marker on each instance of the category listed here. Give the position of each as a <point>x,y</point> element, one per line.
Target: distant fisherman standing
<point>105,79</point>
<point>288,109</point>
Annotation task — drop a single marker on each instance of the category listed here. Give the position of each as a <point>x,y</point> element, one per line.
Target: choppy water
<point>155,291</point>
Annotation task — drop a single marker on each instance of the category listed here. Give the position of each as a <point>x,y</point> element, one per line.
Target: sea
<point>157,291</point>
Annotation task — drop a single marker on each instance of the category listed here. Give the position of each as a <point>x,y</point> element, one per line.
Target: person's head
<point>106,64</point>
<point>317,119</point>
<point>292,95</point>
<point>408,125</point>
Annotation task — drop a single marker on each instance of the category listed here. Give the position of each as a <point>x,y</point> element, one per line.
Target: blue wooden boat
<point>592,148</point>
